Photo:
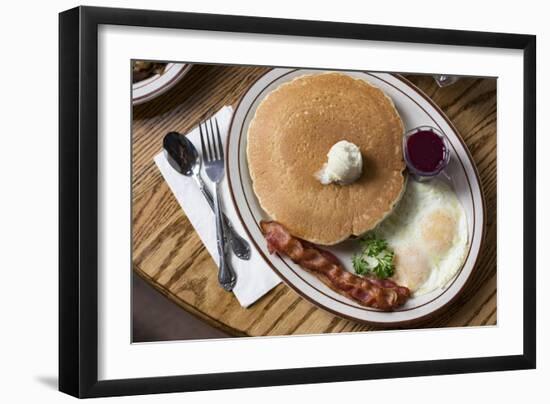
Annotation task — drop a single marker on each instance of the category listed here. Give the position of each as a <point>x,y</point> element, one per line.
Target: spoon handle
<point>239,245</point>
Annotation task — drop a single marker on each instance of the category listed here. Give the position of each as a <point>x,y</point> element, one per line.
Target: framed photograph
<point>314,201</point>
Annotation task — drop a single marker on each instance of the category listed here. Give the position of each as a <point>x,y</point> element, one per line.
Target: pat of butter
<point>344,164</point>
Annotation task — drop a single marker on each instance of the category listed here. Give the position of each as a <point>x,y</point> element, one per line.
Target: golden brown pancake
<point>288,140</point>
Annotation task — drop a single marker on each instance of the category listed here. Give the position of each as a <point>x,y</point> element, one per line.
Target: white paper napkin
<point>254,277</point>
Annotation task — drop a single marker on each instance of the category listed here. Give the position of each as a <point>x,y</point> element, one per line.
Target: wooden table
<point>169,255</point>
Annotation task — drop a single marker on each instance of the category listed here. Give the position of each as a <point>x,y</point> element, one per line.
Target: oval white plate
<point>415,109</point>
<point>154,86</point>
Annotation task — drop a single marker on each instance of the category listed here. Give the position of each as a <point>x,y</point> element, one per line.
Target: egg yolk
<point>437,231</point>
<point>411,267</point>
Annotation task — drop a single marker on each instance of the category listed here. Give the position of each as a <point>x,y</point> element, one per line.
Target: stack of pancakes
<point>293,129</point>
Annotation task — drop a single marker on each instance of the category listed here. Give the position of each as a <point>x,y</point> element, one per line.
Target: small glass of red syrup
<point>426,151</point>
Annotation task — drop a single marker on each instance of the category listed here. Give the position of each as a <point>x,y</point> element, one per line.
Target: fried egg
<point>428,233</point>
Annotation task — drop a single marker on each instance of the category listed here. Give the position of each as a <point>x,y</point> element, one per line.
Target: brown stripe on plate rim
<point>285,260</point>
<point>296,289</point>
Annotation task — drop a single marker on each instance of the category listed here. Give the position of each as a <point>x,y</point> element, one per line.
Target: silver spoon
<point>185,159</point>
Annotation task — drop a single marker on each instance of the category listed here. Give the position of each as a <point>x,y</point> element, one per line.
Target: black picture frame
<point>78,196</point>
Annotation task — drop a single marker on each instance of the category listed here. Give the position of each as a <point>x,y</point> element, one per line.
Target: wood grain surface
<point>169,255</point>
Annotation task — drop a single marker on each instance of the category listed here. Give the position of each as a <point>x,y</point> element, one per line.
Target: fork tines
<point>213,152</point>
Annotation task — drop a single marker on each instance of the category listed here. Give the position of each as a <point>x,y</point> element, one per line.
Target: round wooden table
<point>169,255</point>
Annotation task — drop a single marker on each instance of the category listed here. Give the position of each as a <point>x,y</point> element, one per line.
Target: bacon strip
<point>382,294</point>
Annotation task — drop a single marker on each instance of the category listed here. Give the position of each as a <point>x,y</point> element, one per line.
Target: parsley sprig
<point>376,258</point>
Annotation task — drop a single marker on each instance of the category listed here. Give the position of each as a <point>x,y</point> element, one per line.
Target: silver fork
<point>214,167</point>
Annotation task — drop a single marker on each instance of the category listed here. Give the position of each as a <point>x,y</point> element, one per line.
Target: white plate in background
<point>151,87</point>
